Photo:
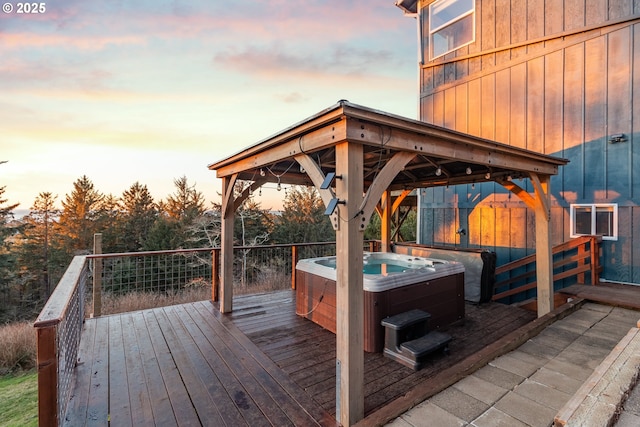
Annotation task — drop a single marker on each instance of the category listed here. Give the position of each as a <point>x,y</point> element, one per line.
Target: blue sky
<point>149,91</point>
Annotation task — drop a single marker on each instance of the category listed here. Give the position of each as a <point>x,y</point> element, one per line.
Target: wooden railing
<point>579,258</point>
<point>58,332</point>
<point>59,325</point>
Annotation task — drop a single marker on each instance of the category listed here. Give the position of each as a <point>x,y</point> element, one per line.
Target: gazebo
<point>356,157</point>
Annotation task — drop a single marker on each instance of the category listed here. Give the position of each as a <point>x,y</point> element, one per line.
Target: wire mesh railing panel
<point>69,332</point>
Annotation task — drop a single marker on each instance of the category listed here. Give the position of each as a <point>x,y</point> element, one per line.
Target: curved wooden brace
<point>247,191</point>
<point>518,191</point>
<point>317,176</point>
<point>542,195</point>
<point>227,194</point>
<point>382,181</point>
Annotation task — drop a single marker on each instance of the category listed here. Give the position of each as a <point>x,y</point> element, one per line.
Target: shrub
<point>18,349</point>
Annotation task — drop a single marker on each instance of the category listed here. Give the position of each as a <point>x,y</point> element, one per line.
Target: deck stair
<point>409,341</point>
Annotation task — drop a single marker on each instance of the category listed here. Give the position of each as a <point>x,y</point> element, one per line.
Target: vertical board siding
<point>562,97</point>
<point>618,112</point>
<point>595,114</point>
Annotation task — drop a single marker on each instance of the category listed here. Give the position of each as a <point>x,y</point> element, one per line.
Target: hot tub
<point>392,284</point>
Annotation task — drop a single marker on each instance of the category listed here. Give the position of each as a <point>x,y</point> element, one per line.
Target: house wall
<point>553,76</point>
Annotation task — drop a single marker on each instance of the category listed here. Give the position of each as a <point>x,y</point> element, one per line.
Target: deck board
<point>260,365</point>
<point>306,351</point>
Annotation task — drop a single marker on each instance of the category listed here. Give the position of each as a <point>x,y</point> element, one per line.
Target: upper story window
<point>594,219</point>
<point>451,25</point>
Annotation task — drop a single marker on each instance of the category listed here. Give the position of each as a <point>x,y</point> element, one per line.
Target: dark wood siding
<point>557,77</point>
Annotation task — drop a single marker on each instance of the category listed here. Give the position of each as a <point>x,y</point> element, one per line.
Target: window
<point>595,219</point>
<point>451,25</point>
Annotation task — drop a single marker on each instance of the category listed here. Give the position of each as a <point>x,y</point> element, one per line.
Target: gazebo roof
<point>442,156</point>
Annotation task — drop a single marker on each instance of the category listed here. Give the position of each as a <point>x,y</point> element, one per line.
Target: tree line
<point>36,249</point>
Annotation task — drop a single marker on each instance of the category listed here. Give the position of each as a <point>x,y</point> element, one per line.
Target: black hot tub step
<point>423,346</point>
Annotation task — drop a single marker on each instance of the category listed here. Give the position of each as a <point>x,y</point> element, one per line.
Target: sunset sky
<point>149,91</point>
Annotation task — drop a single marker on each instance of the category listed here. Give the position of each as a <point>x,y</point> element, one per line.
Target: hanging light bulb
<point>487,175</point>
<point>438,171</point>
<point>468,170</point>
<point>279,187</point>
<point>260,192</point>
<point>262,172</point>
<point>473,185</point>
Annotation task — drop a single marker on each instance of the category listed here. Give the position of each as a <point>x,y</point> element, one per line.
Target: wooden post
<point>294,262</point>
<point>97,275</point>
<point>595,259</point>
<point>215,274</point>
<point>385,222</point>
<point>349,293</point>
<point>47,362</point>
<point>544,255</point>
<point>226,269</point>
<point>582,261</point>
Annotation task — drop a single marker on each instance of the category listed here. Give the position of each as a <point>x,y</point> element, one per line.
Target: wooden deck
<point>615,294</point>
<point>260,365</point>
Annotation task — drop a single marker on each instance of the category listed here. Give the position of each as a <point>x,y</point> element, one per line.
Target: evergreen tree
<point>110,224</point>
<point>7,258</point>
<point>39,258</point>
<point>78,220</point>
<point>186,203</point>
<point>140,213</point>
<point>303,219</point>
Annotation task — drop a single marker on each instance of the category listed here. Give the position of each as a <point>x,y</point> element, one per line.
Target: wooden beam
<point>317,176</point>
<point>382,181</point>
<point>518,191</point>
<point>226,255</point>
<point>433,141</point>
<point>385,221</point>
<point>227,192</point>
<point>398,201</point>
<point>311,141</point>
<point>256,184</point>
<point>349,294</point>
<point>544,255</point>
<point>314,172</point>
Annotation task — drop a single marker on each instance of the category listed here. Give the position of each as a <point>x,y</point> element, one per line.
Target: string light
<point>468,170</point>
<point>438,171</point>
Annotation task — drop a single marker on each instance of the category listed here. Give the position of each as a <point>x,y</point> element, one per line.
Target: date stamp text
<point>24,8</point>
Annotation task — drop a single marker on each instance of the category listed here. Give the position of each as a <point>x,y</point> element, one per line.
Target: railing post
<point>581,261</point>
<point>215,277</point>
<point>294,262</point>
<point>47,362</point>
<point>595,260</point>
<point>97,275</point>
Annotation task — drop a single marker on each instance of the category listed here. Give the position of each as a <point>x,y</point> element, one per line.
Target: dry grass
<point>112,304</point>
<point>18,347</point>
<point>196,291</point>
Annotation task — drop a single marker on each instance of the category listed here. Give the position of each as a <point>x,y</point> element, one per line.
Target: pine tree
<point>186,203</point>
<point>7,258</point>
<point>78,220</point>
<point>303,219</point>
<point>140,213</point>
<point>38,252</point>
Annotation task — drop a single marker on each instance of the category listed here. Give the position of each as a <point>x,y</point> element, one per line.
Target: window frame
<point>611,207</point>
<point>452,21</point>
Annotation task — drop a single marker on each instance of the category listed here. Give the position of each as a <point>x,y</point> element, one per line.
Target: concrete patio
<point>530,385</point>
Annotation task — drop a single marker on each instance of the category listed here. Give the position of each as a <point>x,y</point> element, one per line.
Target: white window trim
<point>456,19</point>
<point>593,206</point>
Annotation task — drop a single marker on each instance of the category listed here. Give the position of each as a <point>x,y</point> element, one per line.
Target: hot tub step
<point>414,354</point>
